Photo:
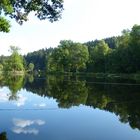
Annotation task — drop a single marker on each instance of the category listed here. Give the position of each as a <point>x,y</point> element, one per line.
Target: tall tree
<point>15,61</point>
<point>38,58</point>
<point>1,67</point>
<point>69,56</point>
<point>134,48</point>
<point>97,58</point>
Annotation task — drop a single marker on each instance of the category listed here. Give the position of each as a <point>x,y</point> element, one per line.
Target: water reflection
<point>123,100</point>
<point>14,83</point>
<point>18,101</point>
<point>41,105</point>
<point>3,136</point>
<point>25,126</point>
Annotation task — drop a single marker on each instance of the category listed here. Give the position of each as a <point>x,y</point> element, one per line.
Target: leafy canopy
<point>69,56</point>
<point>20,9</point>
<point>15,61</point>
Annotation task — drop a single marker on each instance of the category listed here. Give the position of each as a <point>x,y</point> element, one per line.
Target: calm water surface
<point>69,108</point>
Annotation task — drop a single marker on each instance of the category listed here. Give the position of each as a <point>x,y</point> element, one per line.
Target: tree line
<point>119,54</point>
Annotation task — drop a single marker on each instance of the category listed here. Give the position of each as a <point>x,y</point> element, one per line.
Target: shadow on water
<point>118,96</point>
<point>3,136</point>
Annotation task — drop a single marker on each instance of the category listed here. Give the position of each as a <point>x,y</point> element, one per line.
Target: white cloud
<point>23,126</point>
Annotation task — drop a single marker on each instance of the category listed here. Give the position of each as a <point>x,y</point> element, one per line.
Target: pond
<point>69,108</point>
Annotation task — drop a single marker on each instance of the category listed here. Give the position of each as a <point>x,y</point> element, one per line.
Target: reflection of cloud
<point>4,97</point>
<point>19,130</point>
<point>21,100</point>
<point>40,122</point>
<point>40,105</point>
<point>24,123</point>
<point>22,126</point>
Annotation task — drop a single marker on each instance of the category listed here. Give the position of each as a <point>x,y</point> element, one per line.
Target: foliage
<point>15,61</point>
<point>97,60</point>
<point>20,10</point>
<point>69,56</point>
<point>4,25</point>
<point>38,58</point>
<point>111,55</point>
<point>1,67</point>
<point>111,41</point>
<point>125,58</point>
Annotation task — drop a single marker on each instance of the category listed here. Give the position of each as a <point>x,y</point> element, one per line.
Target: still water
<point>69,108</point>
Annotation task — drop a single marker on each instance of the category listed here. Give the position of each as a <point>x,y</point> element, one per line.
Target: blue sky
<point>82,20</point>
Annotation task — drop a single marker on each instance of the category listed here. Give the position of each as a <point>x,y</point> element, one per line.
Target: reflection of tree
<point>68,93</point>
<point>30,78</point>
<point>14,83</point>
<point>98,97</point>
<point>3,136</point>
<point>38,86</point>
<point>123,100</point>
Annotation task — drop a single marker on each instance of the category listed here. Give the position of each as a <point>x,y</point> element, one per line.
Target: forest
<point>120,54</point>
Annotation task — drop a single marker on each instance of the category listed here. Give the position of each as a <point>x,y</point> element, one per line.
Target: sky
<point>82,21</point>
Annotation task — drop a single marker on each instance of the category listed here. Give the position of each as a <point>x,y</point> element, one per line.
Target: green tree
<point>125,58</point>
<point>55,61</point>
<point>38,58</point>
<point>124,39</point>
<point>98,56</point>
<point>69,56</point>
<point>79,55</point>
<point>15,61</point>
<point>20,9</point>
<point>135,35</point>
<point>4,25</point>
<point>134,48</point>
<point>1,67</point>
